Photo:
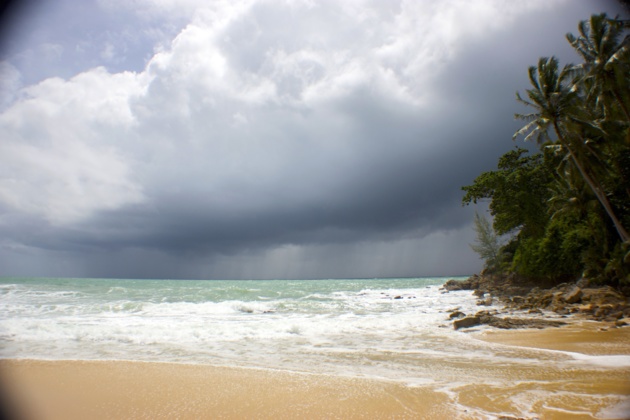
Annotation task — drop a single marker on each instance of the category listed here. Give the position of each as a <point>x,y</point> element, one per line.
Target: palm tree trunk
<point>623,233</point>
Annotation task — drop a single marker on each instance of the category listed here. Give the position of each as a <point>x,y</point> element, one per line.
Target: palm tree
<point>558,108</point>
<point>605,77</point>
<point>606,62</point>
<point>570,197</point>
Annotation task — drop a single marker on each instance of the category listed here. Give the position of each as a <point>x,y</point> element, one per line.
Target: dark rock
<point>479,293</point>
<point>616,315</point>
<point>514,323</point>
<point>456,314</point>
<point>620,323</point>
<point>471,283</point>
<point>603,311</point>
<point>485,302</point>
<point>574,296</point>
<point>545,299</point>
<point>519,292</point>
<point>467,322</point>
<point>603,296</point>
<point>398,297</point>
<point>563,311</point>
<point>556,297</point>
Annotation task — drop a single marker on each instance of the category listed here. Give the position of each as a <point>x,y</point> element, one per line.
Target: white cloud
<point>61,147</point>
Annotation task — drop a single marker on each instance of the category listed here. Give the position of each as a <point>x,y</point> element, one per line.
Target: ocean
<point>385,329</point>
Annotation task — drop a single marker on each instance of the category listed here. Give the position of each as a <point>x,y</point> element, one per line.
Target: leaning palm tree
<point>606,62</point>
<point>604,76</point>
<point>558,109</point>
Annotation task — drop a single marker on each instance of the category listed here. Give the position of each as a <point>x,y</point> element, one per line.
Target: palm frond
<point>526,128</point>
<point>533,79</point>
<point>527,117</point>
<point>621,55</point>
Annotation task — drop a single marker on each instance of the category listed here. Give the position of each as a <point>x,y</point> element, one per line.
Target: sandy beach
<point>586,337</point>
<point>593,391</point>
<point>138,390</point>
<point>35,389</point>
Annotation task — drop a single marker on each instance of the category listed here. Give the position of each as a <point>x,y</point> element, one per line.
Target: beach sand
<point>587,337</point>
<point>137,390</point>
<point>68,390</point>
<point>583,392</point>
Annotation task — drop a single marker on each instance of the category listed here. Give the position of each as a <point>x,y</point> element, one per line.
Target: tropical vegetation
<point>566,207</point>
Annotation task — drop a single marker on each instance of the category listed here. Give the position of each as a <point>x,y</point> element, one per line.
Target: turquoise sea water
<point>334,325</point>
<point>387,329</point>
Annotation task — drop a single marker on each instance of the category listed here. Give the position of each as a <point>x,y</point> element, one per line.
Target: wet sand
<point>582,392</point>
<point>37,389</point>
<point>586,337</point>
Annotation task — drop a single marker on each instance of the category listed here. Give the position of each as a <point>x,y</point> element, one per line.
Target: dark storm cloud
<point>241,152</point>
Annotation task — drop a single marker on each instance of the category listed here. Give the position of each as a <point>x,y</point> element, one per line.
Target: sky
<point>245,139</point>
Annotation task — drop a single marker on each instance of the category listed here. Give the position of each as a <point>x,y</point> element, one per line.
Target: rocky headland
<point>531,305</point>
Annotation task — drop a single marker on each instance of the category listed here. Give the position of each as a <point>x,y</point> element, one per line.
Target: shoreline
<point>529,302</point>
<point>412,366</point>
<point>100,389</point>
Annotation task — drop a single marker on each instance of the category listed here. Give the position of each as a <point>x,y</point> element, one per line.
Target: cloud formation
<point>269,139</point>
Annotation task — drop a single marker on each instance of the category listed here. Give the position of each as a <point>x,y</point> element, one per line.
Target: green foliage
<point>518,192</point>
<point>555,255</point>
<point>568,206</point>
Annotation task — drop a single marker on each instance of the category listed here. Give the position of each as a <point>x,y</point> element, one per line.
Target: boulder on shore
<point>469,321</point>
<point>456,314</point>
<point>506,323</point>
<point>574,296</point>
<point>472,283</point>
<point>600,303</point>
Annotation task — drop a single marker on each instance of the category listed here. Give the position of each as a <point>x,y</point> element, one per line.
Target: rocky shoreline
<point>520,297</point>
